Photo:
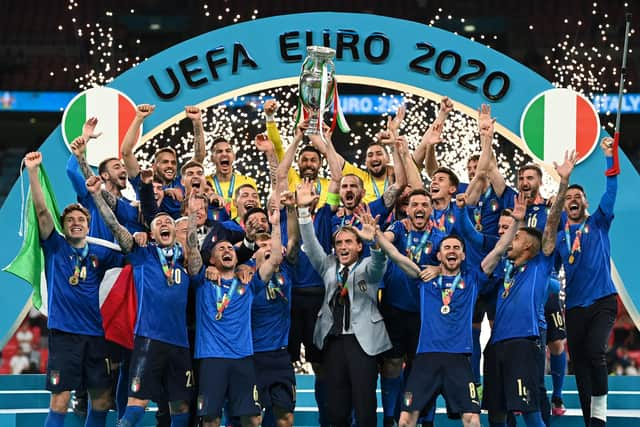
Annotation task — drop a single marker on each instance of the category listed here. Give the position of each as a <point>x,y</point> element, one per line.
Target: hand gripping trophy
<point>318,89</point>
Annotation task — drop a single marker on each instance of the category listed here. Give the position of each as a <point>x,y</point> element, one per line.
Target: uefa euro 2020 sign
<point>371,50</point>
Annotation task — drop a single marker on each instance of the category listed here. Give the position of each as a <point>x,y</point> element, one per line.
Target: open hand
<point>89,129</point>
<point>519,207</point>
<point>305,194</point>
<point>565,169</point>
<point>263,143</point>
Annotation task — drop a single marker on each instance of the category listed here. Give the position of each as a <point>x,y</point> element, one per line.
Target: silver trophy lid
<point>321,51</point>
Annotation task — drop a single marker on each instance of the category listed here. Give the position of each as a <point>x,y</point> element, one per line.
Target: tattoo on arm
<point>273,168</point>
<point>112,201</point>
<point>553,219</point>
<point>84,166</point>
<point>198,142</point>
<point>124,238</point>
<point>391,195</point>
<point>194,259</point>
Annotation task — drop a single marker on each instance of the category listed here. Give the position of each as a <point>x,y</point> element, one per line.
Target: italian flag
<point>114,111</point>
<point>117,293</point>
<point>558,120</point>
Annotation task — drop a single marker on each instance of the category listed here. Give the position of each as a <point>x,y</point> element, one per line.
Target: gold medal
<point>478,227</point>
<point>571,259</point>
<point>218,315</point>
<point>445,309</point>
<point>73,280</point>
<point>505,294</point>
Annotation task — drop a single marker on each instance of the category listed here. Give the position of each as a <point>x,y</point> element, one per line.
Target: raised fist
<point>33,160</point>
<point>144,110</point>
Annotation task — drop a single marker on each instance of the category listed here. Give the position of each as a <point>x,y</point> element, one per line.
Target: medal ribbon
<point>344,285</point>
<point>232,185</point>
<point>79,255</point>
<point>375,186</point>
<point>446,291</point>
<point>414,251</point>
<point>223,299</point>
<point>510,275</point>
<point>168,266</point>
<point>439,223</point>
<point>353,221</point>
<point>477,211</point>
<point>575,246</point>
<point>276,284</point>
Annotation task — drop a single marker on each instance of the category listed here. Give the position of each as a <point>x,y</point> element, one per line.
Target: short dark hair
<point>455,181</point>
<point>473,158</point>
<point>158,215</point>
<point>235,195</point>
<point>310,149</point>
<point>207,251</point>
<point>190,164</point>
<point>506,212</point>
<point>419,192</point>
<point>254,211</point>
<point>456,237</point>
<point>218,140</point>
<point>532,167</point>
<point>347,228</point>
<point>164,150</point>
<point>355,176</point>
<point>376,143</point>
<point>102,167</point>
<point>536,234</point>
<point>577,187</point>
<point>75,207</point>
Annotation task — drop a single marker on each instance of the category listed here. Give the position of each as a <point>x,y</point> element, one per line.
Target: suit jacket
<point>363,282</point>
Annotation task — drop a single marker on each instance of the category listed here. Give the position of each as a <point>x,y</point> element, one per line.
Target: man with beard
<point>551,321</point>
<point>349,328</point>
<point>590,293</point>
<point>417,239</point>
<point>446,306</point>
<point>165,164</point>
<point>225,180</point>
<point>223,336</point>
<point>160,362</point>
<point>79,354</point>
<point>113,174</point>
<point>512,362</point>
<point>309,159</point>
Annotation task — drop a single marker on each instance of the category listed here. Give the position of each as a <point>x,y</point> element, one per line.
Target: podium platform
<point>24,403</point>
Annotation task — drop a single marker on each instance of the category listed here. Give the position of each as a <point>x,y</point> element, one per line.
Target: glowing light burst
<point>590,68</point>
<point>240,124</point>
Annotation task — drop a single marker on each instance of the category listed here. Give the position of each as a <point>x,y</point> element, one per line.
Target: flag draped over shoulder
<point>118,299</point>
<point>29,263</point>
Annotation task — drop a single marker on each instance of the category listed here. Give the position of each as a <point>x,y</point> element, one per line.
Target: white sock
<point>599,407</point>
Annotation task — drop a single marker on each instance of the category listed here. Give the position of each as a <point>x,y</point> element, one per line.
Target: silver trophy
<point>317,76</point>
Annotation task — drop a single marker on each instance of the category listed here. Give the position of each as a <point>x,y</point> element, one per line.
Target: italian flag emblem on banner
<point>558,120</point>
<point>115,112</point>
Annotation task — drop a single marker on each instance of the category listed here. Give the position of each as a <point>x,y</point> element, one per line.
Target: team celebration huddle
<point>378,276</point>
